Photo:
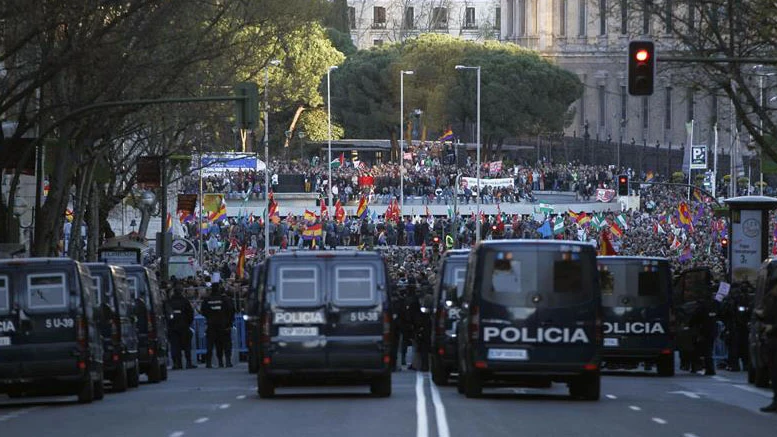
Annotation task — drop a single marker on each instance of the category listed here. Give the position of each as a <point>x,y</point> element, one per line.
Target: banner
<point>221,162</point>
<point>212,202</point>
<point>495,167</point>
<point>486,182</point>
<point>605,196</point>
<point>366,181</point>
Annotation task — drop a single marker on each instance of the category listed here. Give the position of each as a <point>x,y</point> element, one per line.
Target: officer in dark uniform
<point>423,329</point>
<point>769,335</point>
<point>181,316</point>
<point>219,313</point>
<point>704,320</point>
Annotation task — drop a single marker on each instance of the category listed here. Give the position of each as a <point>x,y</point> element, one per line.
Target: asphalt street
<point>223,402</point>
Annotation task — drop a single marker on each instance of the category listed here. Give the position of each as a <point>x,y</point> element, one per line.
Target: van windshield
<point>5,295</point>
<point>634,284</point>
<point>544,277</point>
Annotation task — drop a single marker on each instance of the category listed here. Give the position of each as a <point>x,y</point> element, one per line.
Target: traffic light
<point>247,109</point>
<point>642,68</point>
<point>724,243</point>
<point>623,185</point>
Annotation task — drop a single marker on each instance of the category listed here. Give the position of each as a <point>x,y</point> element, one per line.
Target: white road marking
<point>687,434</point>
<point>241,397</point>
<point>439,411</point>
<point>201,420</point>
<point>176,434</point>
<point>223,406</point>
<point>520,391</point>
<point>15,414</point>
<point>635,408</point>
<point>753,390</point>
<point>611,397</point>
<point>688,394</point>
<point>659,421</point>
<point>721,379</point>
<point>422,426</point>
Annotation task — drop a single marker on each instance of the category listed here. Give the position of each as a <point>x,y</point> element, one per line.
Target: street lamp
<point>402,74</point>
<point>329,117</point>
<point>273,63</point>
<point>477,219</point>
<point>761,102</point>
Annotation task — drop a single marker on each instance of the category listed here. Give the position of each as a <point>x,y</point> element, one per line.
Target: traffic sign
<point>699,157</point>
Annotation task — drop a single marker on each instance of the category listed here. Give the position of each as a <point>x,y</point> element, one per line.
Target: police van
<point>530,316</point>
<point>49,339</point>
<point>758,370</point>
<point>148,308</point>
<point>447,294</point>
<point>323,317</point>
<point>117,326</point>
<point>637,313</point>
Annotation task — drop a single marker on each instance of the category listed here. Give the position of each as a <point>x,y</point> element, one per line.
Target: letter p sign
<point>698,157</point>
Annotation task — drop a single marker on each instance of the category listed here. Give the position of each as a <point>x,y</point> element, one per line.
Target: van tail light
<point>151,326</point>
<point>667,351</point>
<point>265,334</point>
<point>591,367</point>
<point>115,323</point>
<point>474,323</point>
<point>386,327</point>
<point>442,315</point>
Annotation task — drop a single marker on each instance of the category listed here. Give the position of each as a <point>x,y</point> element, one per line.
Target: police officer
<point>704,319</point>
<point>181,316</point>
<point>219,313</point>
<point>769,335</point>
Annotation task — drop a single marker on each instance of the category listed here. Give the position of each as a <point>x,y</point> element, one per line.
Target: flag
<point>621,219</point>
<point>339,212</point>
<point>338,162</point>
<point>450,211</point>
<point>311,232</point>
<point>392,212</point>
<point>605,196</point>
<point>447,135</point>
<point>241,263</point>
<point>675,243</point>
<point>598,221</point>
<point>220,214</point>
<point>558,225</point>
<point>272,211</point>
<point>495,167</point>
<point>615,229</point>
<point>361,210</point>
<point>684,214</point>
<point>545,230</point>
<point>169,223</point>
<point>583,219</point>
<point>324,211</point>
<point>686,255</point>
<point>545,208</point>
<point>309,216</point>
<point>697,195</point>
<point>574,215</point>
<point>605,245</point>
<point>649,176</point>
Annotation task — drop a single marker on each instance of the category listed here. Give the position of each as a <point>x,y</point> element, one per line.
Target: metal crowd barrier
<point>239,340</point>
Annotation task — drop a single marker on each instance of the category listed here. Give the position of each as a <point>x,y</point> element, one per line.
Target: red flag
<point>342,159</point>
<point>241,263</point>
<point>324,211</point>
<point>339,212</point>
<point>605,246</point>
<point>273,214</point>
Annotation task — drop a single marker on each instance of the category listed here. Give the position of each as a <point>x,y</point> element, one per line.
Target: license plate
<point>610,342</point>
<point>508,354</point>
<point>5,341</point>
<point>298,331</point>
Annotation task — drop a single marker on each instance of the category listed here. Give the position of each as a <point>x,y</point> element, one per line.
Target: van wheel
<point>154,372</point>
<point>586,387</point>
<point>665,365</point>
<point>86,392</point>
<point>99,388</point>
<point>439,375</point>
<point>381,386</point>
<point>266,388</point>
<point>762,377</point>
<point>473,385</point>
<point>133,376</point>
<point>120,380</point>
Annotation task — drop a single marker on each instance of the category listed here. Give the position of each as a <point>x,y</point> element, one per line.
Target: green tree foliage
<point>315,124</point>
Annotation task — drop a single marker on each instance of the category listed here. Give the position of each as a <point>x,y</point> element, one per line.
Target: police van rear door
<point>454,274</point>
<point>297,314</point>
<point>354,327</point>
<point>10,333</point>
<point>48,320</point>
<point>636,301</point>
<point>538,304</point>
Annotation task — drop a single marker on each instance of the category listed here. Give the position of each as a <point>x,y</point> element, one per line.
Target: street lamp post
<point>402,74</point>
<point>762,103</point>
<point>477,219</point>
<point>329,118</point>
<point>275,63</point>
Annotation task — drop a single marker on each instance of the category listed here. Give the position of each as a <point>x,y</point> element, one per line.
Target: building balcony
<point>378,25</point>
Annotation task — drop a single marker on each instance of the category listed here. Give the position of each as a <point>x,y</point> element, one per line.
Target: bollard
<point>235,346</point>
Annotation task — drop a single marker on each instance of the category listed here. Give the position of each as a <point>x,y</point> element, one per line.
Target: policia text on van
<point>530,317</point>
<point>322,318</point>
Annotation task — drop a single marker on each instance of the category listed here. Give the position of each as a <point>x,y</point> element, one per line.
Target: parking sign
<point>699,157</point>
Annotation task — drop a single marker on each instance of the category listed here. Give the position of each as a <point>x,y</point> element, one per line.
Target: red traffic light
<point>724,242</point>
<point>642,55</point>
<point>622,180</point>
<point>436,239</point>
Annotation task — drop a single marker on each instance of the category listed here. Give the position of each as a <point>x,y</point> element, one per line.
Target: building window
<point>689,98</point>
<point>351,17</point>
<point>602,17</point>
<point>377,42</point>
<point>624,105</point>
<point>469,19</point>
<point>440,18</point>
<point>645,113</point>
<point>409,18</point>
<point>581,17</point>
<point>624,17</point>
<point>522,18</point>
<point>668,109</point>
<point>602,106</point>
<point>668,11</point>
<point>498,18</point>
<point>379,17</point>
<point>562,18</point>
<point>691,14</point>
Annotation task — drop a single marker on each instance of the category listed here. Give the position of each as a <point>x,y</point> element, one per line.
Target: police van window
<point>649,284</point>
<point>298,285</point>
<point>46,291</point>
<point>132,286</point>
<point>567,276</point>
<point>506,277</point>
<point>606,282</point>
<point>460,275</point>
<point>98,290</point>
<point>354,285</point>
<point>5,298</point>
